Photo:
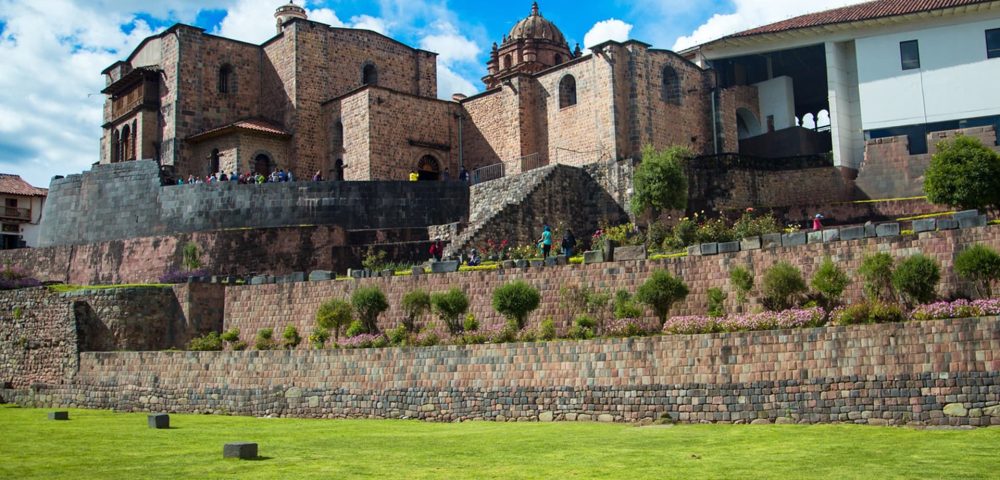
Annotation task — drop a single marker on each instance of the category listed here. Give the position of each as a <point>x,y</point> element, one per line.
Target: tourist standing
<point>464,175</point>
<point>318,177</point>
<point>546,241</point>
<point>413,176</point>
<point>817,224</point>
<point>437,250</point>
<point>568,242</point>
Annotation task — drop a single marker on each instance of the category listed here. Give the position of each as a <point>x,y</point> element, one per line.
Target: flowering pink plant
<point>793,318</point>
<point>956,309</point>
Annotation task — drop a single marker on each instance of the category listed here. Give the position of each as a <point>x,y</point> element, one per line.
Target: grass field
<point>106,445</point>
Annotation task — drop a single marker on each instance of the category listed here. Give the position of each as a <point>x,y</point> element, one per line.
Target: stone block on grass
<point>852,233</point>
<point>770,240</point>
<point>593,256</point>
<point>924,225</point>
<point>729,247</point>
<point>58,415</point>
<point>158,420</point>
<point>631,252</point>
<point>887,229</point>
<point>710,248</point>
<point>752,243</point>
<point>831,235</point>
<point>815,236</point>
<point>240,450</point>
<point>446,266</point>
<point>793,239</point>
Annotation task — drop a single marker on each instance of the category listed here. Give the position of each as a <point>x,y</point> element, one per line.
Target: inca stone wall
<point>937,372</point>
<point>125,200</point>
<point>37,338</point>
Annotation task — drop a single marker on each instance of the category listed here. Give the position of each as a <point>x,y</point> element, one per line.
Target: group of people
<point>567,244</point>
<point>249,178</point>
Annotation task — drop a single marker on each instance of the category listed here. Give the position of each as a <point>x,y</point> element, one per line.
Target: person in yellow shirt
<point>413,176</point>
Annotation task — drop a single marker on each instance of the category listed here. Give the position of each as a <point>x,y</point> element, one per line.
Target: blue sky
<point>52,51</point>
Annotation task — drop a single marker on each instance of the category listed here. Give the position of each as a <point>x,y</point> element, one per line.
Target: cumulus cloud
<point>455,52</point>
<point>253,20</point>
<point>368,22</point>
<point>610,29</point>
<point>752,13</point>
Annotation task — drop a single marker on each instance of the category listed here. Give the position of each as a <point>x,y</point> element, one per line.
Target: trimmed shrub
<point>742,281</point>
<point>716,302</point>
<point>866,313</point>
<point>660,292</point>
<point>547,329</point>
<point>334,315</point>
<point>415,304</point>
<point>782,287</point>
<point>964,173</point>
<point>659,181</point>
<point>290,338</point>
<point>980,265</point>
<point>231,336</point>
<point>876,273</point>
<point>829,281</point>
<point>916,279</point>
<point>515,301</point>
<point>583,327</point>
<point>450,306</point>
<point>239,345</point>
<point>368,303</point>
<point>318,338</point>
<point>209,342</point>
<point>397,336</point>
<point>471,324</point>
<point>265,339</point>
<point>354,329</point>
<point>191,257</point>
<point>624,305</point>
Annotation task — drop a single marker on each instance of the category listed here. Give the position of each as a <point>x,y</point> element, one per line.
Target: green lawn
<point>102,444</point>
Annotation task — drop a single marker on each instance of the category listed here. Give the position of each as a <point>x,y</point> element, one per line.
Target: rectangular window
<point>10,202</point>
<point>909,54</point>
<point>993,43</point>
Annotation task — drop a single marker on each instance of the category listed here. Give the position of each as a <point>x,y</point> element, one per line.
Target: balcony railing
<point>487,173</point>
<point>16,213</point>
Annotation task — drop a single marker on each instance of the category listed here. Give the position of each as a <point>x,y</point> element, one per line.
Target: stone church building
<point>357,105</point>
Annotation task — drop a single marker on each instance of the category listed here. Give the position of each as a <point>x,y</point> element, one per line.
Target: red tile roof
<point>11,184</point>
<point>258,126</point>
<point>859,12</point>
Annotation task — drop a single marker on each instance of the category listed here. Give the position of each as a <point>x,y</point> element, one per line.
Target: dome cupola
<point>532,45</point>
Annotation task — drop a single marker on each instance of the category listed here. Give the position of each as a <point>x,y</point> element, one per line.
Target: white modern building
<point>878,69</point>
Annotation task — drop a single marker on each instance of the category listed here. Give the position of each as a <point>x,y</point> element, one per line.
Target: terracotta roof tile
<point>855,13</point>
<point>261,126</point>
<point>11,184</point>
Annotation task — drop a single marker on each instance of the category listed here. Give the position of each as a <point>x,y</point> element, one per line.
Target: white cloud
<point>753,13</point>
<point>450,82</point>
<point>368,22</point>
<point>610,29</point>
<point>455,52</point>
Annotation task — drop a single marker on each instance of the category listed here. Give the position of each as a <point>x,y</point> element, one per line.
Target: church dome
<point>535,27</point>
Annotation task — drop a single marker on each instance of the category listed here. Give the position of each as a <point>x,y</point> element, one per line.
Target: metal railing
<point>17,213</point>
<point>487,173</point>
<point>531,162</point>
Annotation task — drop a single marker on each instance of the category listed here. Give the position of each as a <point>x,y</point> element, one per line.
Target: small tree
<point>980,265</point>
<point>916,279</point>
<point>415,304</point>
<point>191,256</point>
<point>660,292</point>
<point>318,337</point>
<point>782,286</point>
<point>830,281</point>
<point>876,273</point>
<point>334,315</point>
<point>624,306</point>
<point>291,338</point>
<point>265,339</point>
<point>369,303</point>
<point>450,307</point>
<point>742,281</point>
<point>660,181</point>
<point>515,301</point>
<point>964,173</point>
<point>716,302</point>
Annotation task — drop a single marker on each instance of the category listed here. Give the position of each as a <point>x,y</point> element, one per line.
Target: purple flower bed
<point>630,327</point>
<point>794,318</point>
<point>15,277</point>
<point>956,309</point>
<point>364,340</point>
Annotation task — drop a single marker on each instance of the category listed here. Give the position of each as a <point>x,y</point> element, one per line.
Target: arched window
<point>567,91</point>
<point>338,170</point>
<point>558,59</point>
<point>262,164</point>
<point>338,135</point>
<point>227,79</point>
<point>125,144</point>
<point>115,147</point>
<point>671,86</point>
<point>747,124</point>
<point>213,161</point>
<point>506,62</point>
<point>428,168</point>
<point>369,75</point>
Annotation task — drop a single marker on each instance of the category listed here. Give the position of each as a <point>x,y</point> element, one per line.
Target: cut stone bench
<point>158,420</point>
<point>58,415</point>
<point>241,450</point>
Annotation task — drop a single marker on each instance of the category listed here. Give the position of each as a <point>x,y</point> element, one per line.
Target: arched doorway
<point>428,168</point>
<point>262,164</point>
<point>747,124</point>
<point>213,161</point>
<point>338,170</point>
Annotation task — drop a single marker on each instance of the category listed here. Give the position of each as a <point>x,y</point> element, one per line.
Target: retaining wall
<point>936,372</point>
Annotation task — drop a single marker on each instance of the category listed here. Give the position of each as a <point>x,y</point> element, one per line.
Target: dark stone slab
<point>320,275</point>
<point>158,420</point>
<point>870,230</point>
<point>709,248</point>
<point>593,256</point>
<point>241,450</point>
<point>58,415</point>
<point>508,264</point>
<point>537,263</point>
<point>297,277</point>
<point>562,260</point>
<point>770,240</point>
<point>631,252</point>
<point>417,271</point>
<point>752,243</point>
<point>694,250</point>
<point>852,233</point>
<point>947,224</point>
<point>387,273</point>
<point>831,235</point>
<point>924,225</point>
<point>521,263</point>
<point>887,229</point>
<point>729,247</point>
<point>972,222</point>
<point>815,236</point>
<point>793,239</point>
<point>551,261</point>
<point>446,266</point>
<point>258,280</point>
<point>355,273</point>
<point>965,214</point>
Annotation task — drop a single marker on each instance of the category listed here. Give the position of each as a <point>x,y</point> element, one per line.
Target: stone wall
<point>251,308</point>
<point>37,338</point>
<point>713,186</point>
<point>125,200</point>
<point>937,372</point>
